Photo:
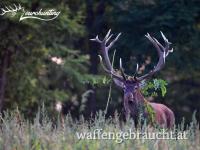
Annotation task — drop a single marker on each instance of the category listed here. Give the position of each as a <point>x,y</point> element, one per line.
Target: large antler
<point>163,52</point>
<point>104,49</point>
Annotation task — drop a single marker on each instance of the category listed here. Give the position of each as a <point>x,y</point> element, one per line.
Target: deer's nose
<point>129,96</point>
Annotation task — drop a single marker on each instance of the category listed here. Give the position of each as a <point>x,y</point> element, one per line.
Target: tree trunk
<point>93,51</point>
<point>3,78</point>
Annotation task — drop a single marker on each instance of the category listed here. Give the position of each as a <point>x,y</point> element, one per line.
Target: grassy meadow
<point>42,133</point>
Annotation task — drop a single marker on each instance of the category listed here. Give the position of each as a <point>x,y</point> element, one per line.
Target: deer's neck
<point>139,98</point>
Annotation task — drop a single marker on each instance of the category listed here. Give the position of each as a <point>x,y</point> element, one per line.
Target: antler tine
<point>136,71</point>
<point>153,41</point>
<point>167,43</point>
<point>20,7</point>
<point>107,35</point>
<point>106,38</point>
<point>109,71</point>
<point>17,7</point>
<point>121,69</point>
<point>164,38</point>
<point>169,51</point>
<point>160,45</point>
<point>3,11</point>
<point>8,9</point>
<point>106,41</point>
<point>104,67</point>
<point>11,8</point>
<point>111,44</point>
<point>96,39</point>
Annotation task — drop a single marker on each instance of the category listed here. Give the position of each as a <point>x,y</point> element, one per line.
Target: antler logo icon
<point>12,10</point>
<point>50,14</point>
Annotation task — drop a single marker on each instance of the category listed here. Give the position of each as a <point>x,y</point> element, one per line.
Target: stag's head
<point>130,84</point>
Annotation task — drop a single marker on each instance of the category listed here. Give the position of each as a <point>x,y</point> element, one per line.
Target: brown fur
<point>164,116</point>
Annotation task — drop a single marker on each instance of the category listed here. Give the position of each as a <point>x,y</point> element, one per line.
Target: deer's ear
<point>142,84</point>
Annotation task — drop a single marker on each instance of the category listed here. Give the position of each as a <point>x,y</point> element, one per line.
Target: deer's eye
<point>124,86</point>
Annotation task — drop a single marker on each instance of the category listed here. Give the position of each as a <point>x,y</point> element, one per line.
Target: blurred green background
<point>30,77</point>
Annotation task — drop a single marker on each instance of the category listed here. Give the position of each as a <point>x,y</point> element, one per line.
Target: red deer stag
<point>134,102</point>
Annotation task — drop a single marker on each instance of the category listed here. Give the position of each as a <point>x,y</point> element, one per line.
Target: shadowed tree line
<point>47,62</point>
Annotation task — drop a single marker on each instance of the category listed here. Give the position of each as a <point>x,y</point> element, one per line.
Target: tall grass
<point>17,133</point>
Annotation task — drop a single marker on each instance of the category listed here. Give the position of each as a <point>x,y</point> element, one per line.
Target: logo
<point>45,15</point>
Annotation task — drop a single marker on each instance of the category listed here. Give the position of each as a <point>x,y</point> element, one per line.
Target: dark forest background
<point>29,77</point>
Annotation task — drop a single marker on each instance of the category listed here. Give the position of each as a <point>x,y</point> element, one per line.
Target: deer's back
<point>164,116</point>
